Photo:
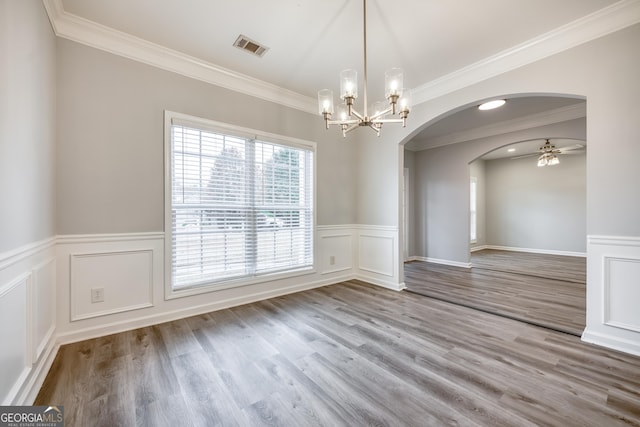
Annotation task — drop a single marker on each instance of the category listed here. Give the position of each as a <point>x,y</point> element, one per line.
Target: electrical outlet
<point>332,260</point>
<point>97,295</point>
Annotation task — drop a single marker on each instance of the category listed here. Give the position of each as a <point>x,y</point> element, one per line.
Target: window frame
<point>219,127</point>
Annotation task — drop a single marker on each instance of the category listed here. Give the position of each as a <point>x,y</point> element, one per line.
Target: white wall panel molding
<point>27,309</point>
<point>377,254</point>
<point>103,238</point>
<point>621,293</point>
<point>124,278</point>
<point>22,253</point>
<point>336,252</point>
<point>15,351</point>
<point>126,268</point>
<point>43,303</point>
<point>613,292</point>
<point>84,31</point>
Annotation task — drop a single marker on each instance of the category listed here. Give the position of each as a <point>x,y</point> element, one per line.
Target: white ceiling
<point>310,42</point>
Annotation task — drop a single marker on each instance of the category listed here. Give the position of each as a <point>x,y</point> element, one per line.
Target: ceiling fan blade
<point>524,156</point>
<point>568,153</point>
<point>571,148</point>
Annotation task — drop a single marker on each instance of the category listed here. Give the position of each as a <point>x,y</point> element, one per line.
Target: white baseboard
<point>610,341</point>
<point>530,250</point>
<point>441,261</point>
<point>40,371</point>
<point>388,284</point>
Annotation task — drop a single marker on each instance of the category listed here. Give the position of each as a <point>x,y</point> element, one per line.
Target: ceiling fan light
<point>490,105</point>
<point>554,160</point>
<point>542,161</point>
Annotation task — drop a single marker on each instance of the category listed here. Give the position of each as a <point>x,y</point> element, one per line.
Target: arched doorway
<point>438,162</point>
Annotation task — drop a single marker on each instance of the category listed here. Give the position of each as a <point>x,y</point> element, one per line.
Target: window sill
<point>234,283</point>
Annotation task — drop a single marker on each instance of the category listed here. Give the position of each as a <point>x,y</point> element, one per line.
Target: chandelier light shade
<point>325,102</point>
<point>347,117</point>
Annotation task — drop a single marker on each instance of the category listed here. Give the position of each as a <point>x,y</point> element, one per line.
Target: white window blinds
<point>240,207</point>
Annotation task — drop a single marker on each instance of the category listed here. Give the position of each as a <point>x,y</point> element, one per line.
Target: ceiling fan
<point>548,153</point>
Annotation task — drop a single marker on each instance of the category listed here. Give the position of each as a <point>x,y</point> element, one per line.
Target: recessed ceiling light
<point>490,105</point>
<point>511,150</point>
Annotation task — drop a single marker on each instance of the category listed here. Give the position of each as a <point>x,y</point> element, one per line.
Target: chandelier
<point>348,118</point>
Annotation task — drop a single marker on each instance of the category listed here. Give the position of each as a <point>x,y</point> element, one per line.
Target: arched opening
<point>524,213</point>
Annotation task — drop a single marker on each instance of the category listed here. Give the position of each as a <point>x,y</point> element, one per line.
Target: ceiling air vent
<point>251,46</point>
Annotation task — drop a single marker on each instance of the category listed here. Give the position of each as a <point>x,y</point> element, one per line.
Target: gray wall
<point>537,208</point>
<point>409,163</point>
<point>110,141</point>
<point>27,124</point>
<point>442,190</point>
<point>477,170</point>
<point>604,71</point>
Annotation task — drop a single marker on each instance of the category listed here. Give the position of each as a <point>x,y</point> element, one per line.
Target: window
<point>473,213</point>
<point>239,206</point>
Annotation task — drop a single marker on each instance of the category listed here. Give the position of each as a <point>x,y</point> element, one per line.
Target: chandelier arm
<point>375,128</point>
<point>383,113</point>
<point>388,121</point>
<point>343,122</point>
<point>350,128</point>
<point>358,115</point>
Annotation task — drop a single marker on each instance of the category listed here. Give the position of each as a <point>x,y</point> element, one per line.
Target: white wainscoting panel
<point>14,351</point>
<point>613,292</point>
<point>27,310</point>
<point>44,305</point>
<point>622,293</point>
<point>379,256</point>
<point>376,254</point>
<point>335,250</point>
<point>125,277</point>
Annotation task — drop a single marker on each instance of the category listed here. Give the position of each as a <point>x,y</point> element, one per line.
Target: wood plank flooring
<point>499,288</point>
<point>350,354</point>
<point>559,267</point>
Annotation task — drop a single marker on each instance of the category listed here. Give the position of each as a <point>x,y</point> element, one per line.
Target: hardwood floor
<point>498,287</point>
<point>559,267</point>
<point>345,355</point>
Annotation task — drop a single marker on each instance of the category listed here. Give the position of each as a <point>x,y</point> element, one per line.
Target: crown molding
<point>545,118</point>
<point>600,23</point>
<point>590,27</point>
<point>90,33</point>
